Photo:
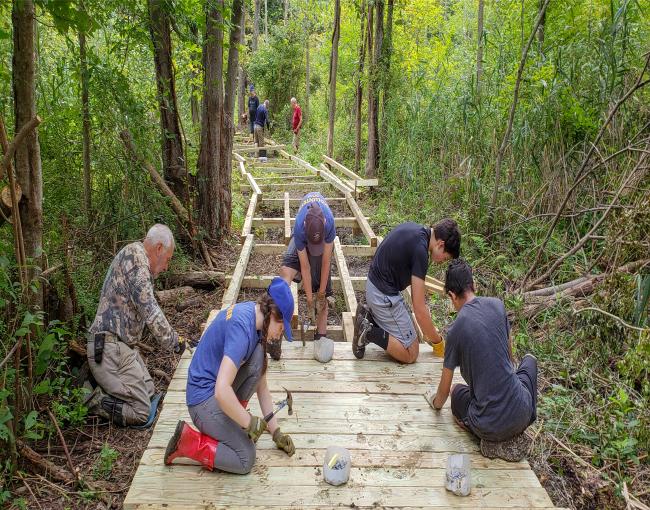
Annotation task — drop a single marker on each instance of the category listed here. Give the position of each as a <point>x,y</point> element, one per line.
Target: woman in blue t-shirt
<point>228,366</point>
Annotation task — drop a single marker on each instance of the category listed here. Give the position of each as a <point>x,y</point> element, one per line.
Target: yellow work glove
<point>255,428</point>
<point>439,349</point>
<point>284,442</point>
<point>179,348</point>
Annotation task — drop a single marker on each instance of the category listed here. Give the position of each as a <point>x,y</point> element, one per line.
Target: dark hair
<point>268,308</point>
<point>447,230</point>
<point>458,278</point>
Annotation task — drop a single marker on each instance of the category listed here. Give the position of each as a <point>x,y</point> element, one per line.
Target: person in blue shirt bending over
<point>228,365</point>
<point>309,257</point>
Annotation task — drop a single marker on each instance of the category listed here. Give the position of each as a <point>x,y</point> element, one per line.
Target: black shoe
<point>113,407</point>
<point>361,328</point>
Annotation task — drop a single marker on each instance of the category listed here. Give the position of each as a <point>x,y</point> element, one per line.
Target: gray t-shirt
<point>477,342</point>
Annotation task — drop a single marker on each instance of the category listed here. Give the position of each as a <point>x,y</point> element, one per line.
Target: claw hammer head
<point>289,401</point>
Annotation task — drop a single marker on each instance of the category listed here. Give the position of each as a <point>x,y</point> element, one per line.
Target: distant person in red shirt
<point>297,123</point>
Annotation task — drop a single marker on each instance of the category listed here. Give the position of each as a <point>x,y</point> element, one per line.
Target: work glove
<point>284,442</point>
<point>255,428</point>
<point>180,346</point>
<point>321,302</point>
<point>439,349</point>
<point>311,312</point>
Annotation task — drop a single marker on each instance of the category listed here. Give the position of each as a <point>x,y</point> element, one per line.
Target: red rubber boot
<point>190,443</point>
<point>244,403</point>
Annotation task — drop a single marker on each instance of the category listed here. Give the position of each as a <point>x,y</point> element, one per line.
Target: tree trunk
<point>211,120</point>
<point>28,154</point>
<point>286,10</point>
<point>372,158</point>
<point>305,114</point>
<point>256,23</point>
<point>540,30</point>
<point>241,98</point>
<point>266,20</point>
<point>194,73</point>
<point>85,121</point>
<point>334,59</point>
<point>228,126</point>
<point>171,140</point>
<point>385,72</point>
<point>358,98</point>
<point>479,49</point>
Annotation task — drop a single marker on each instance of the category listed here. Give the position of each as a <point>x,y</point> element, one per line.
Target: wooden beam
<point>242,169</point>
<point>292,186</point>
<point>280,201</point>
<point>346,171</point>
<point>363,222</point>
<point>348,183</point>
<point>336,182</point>
<point>248,222</point>
<point>247,150</point>
<point>341,221</point>
<point>253,184</point>
<point>344,275</point>
<point>263,180</point>
<point>263,281</point>
<point>349,250</point>
<point>240,159</point>
<point>348,326</point>
<point>275,170</point>
<point>287,218</point>
<point>230,296</point>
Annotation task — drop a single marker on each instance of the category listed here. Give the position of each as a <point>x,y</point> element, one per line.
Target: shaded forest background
<point>526,121</point>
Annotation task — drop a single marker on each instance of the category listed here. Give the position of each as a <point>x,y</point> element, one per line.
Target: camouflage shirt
<point>127,301</point>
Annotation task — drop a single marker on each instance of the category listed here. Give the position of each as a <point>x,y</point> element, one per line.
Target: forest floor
<point>111,454</point>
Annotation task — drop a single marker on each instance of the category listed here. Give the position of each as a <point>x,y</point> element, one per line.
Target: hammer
<point>287,402</point>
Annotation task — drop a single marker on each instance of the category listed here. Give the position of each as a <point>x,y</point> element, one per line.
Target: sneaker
<point>362,327</point>
<point>511,450</point>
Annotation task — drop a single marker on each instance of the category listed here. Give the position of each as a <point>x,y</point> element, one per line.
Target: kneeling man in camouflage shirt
<point>126,305</point>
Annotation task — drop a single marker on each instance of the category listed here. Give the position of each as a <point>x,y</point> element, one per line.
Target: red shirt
<point>297,115</point>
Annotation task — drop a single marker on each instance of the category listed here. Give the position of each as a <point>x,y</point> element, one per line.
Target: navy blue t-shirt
<point>253,103</point>
<point>477,342</point>
<point>232,333</point>
<point>299,235</point>
<point>261,115</point>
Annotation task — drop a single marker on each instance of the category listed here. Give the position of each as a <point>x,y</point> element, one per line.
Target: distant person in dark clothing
<point>402,259</point>
<point>261,121</point>
<point>499,402</point>
<point>253,103</point>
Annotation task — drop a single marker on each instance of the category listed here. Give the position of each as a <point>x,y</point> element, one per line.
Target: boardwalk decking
<point>374,407</point>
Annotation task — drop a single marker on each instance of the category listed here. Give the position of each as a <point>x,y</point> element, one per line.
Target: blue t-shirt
<point>299,235</point>
<point>261,115</point>
<point>232,333</point>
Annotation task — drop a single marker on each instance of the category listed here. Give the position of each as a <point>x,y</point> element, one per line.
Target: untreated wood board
<point>248,222</point>
<point>344,275</point>
<point>362,220</point>
<point>230,296</point>
<point>287,219</point>
<point>341,221</point>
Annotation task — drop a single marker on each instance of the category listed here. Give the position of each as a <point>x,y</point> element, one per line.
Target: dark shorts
<point>251,121</point>
<point>291,260</point>
<point>527,375</point>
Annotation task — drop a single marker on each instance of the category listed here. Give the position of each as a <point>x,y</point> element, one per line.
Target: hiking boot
<point>512,450</point>
<point>94,403</point>
<point>362,327</point>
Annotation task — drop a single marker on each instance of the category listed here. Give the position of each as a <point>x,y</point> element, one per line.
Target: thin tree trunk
<point>266,19</point>
<point>211,119</point>
<point>334,59</point>
<point>241,98</point>
<point>511,117</point>
<point>305,114</point>
<point>256,23</point>
<point>479,49</point>
<point>85,121</point>
<point>171,140</point>
<point>358,99</point>
<point>228,127</point>
<point>28,154</point>
<point>385,72</point>
<point>286,10</point>
<point>195,90</point>
<point>372,158</point>
<point>540,30</point>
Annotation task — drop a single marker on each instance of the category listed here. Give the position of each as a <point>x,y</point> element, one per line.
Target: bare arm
<point>225,395</point>
<point>305,271</point>
<point>443,388</point>
<point>266,402</point>
<point>422,314</point>
<point>325,266</point>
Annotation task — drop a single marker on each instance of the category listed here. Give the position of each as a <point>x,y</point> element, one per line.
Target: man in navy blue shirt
<point>253,104</point>
<point>261,121</point>
<point>309,256</point>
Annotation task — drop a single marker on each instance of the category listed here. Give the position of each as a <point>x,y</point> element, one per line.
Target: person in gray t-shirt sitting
<point>499,402</point>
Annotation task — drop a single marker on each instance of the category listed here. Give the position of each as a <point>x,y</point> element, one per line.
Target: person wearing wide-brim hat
<point>228,366</point>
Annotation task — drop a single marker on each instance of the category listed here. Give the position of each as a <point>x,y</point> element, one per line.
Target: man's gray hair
<point>160,233</point>
<point>266,102</point>
<point>294,100</point>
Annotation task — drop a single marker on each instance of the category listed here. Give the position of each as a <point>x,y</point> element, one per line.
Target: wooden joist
<point>336,182</point>
<point>362,220</point>
<point>287,219</point>
<point>344,275</point>
<point>242,169</point>
<point>238,158</point>
<point>280,201</point>
<point>230,296</point>
<point>266,179</point>
<point>304,186</point>
<point>344,170</point>
<point>248,222</point>
<point>253,183</point>
<point>349,250</point>
<point>345,221</point>
<point>247,150</point>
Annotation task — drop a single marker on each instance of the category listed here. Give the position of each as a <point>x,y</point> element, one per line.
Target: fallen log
<point>170,296</point>
<point>195,301</point>
<point>199,279</point>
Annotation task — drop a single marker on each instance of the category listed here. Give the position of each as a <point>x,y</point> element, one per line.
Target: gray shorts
<point>291,260</point>
<point>392,314</point>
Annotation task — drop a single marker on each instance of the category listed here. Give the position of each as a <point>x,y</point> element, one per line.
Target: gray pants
<point>392,314</point>
<point>123,374</point>
<point>235,451</point>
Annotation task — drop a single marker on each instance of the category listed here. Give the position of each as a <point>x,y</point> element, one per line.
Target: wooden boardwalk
<point>374,407</point>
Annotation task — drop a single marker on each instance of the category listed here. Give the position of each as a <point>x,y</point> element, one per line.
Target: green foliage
<point>105,462</point>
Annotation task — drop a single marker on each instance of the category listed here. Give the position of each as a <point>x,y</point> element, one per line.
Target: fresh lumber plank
<point>242,169</point>
<point>287,219</point>
<point>348,326</point>
<point>238,158</point>
<point>344,275</point>
<point>230,296</point>
<point>336,182</point>
<point>349,250</point>
<point>266,179</point>
<point>349,184</point>
<point>263,281</point>
<point>343,169</point>
<point>362,220</point>
<point>253,184</point>
<point>247,150</point>
<point>299,200</point>
<point>248,222</point>
<point>341,221</point>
